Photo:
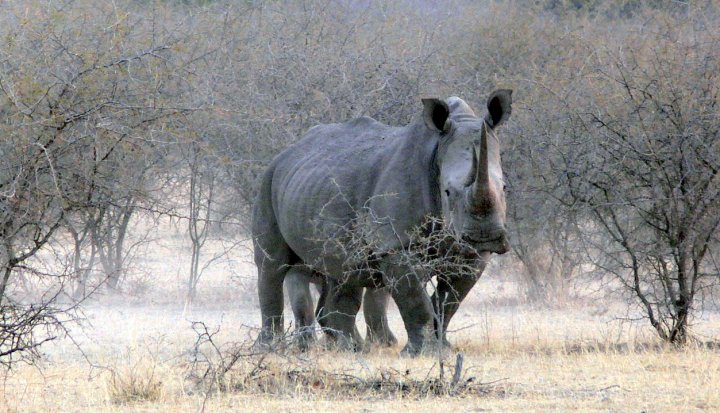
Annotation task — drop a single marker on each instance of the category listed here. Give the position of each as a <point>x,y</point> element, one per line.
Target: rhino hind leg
<point>320,313</point>
<point>297,281</point>
<point>375,302</point>
<point>270,294</point>
<point>273,257</point>
<point>337,308</point>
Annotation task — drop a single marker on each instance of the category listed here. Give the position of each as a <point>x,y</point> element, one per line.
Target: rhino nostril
<point>504,246</point>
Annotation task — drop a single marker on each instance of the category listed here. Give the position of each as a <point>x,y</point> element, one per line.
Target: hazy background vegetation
<point>126,126</point>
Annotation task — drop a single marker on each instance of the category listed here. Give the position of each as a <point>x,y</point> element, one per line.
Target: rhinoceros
<point>444,164</point>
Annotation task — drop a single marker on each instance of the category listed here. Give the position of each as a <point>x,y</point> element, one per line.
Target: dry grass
<point>136,376</point>
<point>518,359</point>
<point>137,358</point>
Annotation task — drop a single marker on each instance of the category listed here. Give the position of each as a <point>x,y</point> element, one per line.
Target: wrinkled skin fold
<point>364,186</point>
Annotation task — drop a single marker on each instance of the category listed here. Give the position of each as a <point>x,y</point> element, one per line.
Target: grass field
<point>137,358</point>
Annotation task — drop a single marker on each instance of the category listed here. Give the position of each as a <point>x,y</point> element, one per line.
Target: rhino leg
<point>375,302</point>
<point>320,313</point>
<point>273,258</point>
<point>338,306</point>
<point>446,300</point>
<point>297,282</point>
<point>271,273</point>
<point>409,294</point>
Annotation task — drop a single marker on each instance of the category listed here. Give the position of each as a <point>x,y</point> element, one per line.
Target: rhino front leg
<point>407,289</point>
<point>297,282</point>
<point>337,316</point>
<point>446,300</point>
<point>448,295</point>
<point>375,302</point>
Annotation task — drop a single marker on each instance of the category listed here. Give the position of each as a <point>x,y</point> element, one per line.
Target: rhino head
<point>471,182</point>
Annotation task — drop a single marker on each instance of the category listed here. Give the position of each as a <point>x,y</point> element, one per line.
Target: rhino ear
<point>499,107</point>
<point>435,114</point>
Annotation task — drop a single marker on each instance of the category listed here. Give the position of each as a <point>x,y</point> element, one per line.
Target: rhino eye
<point>447,193</point>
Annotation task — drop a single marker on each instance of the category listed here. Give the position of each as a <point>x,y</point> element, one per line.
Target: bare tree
<point>76,88</point>
<point>80,228</point>
<point>201,199</point>
<point>649,166</point>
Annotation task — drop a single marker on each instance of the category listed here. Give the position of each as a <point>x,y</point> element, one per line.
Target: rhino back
<point>323,182</point>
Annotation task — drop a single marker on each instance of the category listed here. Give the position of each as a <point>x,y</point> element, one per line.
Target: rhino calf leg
<point>375,302</point>
<point>337,315</point>
<point>297,282</point>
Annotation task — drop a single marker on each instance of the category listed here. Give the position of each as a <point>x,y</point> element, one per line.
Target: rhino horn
<point>499,107</point>
<point>481,187</point>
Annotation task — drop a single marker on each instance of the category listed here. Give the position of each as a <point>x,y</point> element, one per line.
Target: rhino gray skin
<point>375,302</point>
<point>444,164</point>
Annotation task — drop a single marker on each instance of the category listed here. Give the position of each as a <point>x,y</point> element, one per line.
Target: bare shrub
<point>138,375</point>
<point>237,367</point>
<point>434,254</point>
<point>24,328</point>
<point>601,116</point>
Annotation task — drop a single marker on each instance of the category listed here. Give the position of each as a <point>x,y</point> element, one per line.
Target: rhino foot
<point>305,338</point>
<point>382,339</point>
<point>410,351</point>
<point>429,348</point>
<point>338,341</point>
<point>264,341</point>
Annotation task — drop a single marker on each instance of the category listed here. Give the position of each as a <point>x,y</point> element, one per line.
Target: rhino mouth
<point>499,245</point>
